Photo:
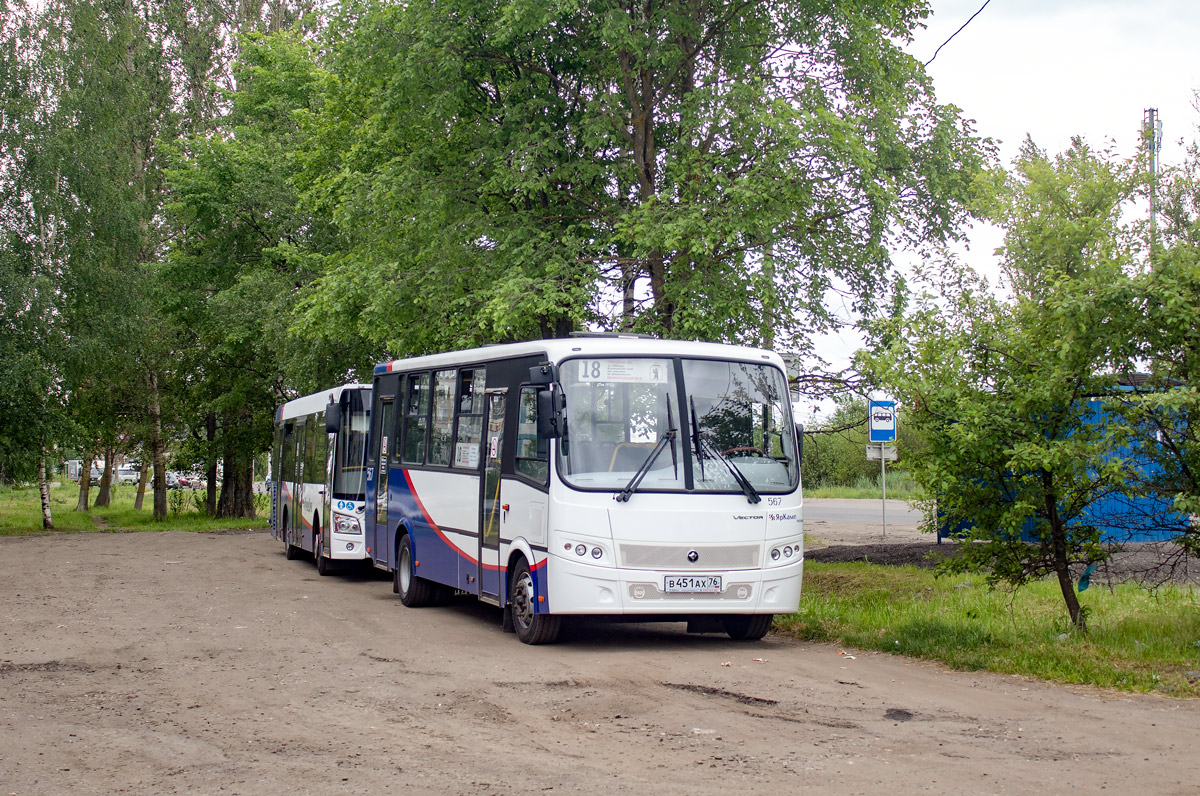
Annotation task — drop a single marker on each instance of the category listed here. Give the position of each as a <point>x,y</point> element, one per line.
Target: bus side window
<point>469,436</point>
<point>532,463</point>
<point>442,443</point>
<point>416,412</point>
<point>320,450</point>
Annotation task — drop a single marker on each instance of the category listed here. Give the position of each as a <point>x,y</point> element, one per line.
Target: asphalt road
<point>900,517</point>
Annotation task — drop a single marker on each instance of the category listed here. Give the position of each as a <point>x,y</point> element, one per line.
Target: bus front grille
<point>680,557</point>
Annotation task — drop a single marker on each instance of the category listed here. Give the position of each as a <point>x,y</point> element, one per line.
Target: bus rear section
<point>644,479</point>
<point>319,474</point>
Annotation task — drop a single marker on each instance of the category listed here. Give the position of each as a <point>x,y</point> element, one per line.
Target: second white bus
<point>318,473</point>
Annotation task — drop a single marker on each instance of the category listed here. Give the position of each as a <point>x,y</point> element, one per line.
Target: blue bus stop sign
<point>881,423</point>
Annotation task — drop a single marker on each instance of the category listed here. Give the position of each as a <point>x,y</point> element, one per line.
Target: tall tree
<point>1001,388</point>
<point>243,255</point>
<point>32,344</point>
<point>697,170</point>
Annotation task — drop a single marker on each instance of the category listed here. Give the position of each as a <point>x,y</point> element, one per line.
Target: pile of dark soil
<point>1149,563</point>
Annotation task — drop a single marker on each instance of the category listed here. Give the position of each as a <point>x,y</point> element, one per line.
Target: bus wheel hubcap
<point>523,599</point>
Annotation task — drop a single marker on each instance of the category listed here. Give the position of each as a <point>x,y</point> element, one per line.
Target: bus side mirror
<point>333,418</point>
<point>543,375</point>
<point>550,416</point>
<point>799,442</point>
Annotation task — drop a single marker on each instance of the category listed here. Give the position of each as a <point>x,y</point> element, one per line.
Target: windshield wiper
<point>747,488</point>
<point>696,436</point>
<point>628,491</point>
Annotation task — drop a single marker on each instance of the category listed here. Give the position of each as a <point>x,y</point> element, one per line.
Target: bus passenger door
<point>379,465</point>
<point>491,503</point>
<point>296,509</point>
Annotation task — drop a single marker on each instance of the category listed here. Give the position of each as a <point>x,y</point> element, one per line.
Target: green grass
<point>899,486</point>
<point>1137,640</point>
<point>21,513</point>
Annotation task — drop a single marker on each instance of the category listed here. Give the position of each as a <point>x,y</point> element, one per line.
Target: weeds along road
<point>155,663</point>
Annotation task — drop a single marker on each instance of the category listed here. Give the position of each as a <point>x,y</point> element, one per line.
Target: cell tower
<point>1152,140</point>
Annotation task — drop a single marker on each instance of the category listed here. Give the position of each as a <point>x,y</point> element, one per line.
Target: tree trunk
<point>85,481</point>
<point>210,475</point>
<point>237,488</point>
<point>104,495</point>
<point>158,453</point>
<point>143,476</point>
<point>1062,568</point>
<point>44,488</point>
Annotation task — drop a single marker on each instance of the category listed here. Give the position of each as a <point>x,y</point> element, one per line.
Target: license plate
<point>707,584</point>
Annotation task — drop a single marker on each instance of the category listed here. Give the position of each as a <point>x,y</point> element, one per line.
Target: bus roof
<point>559,349</point>
<point>310,404</point>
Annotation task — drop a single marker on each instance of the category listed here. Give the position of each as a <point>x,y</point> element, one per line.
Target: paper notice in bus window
<point>466,454</point>
<point>635,371</point>
<point>383,446</point>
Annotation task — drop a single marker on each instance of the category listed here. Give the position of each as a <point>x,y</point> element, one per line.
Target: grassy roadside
<point>1138,640</point>
<point>899,487</point>
<point>21,513</point>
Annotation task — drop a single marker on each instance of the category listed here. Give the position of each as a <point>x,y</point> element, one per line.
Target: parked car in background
<point>128,475</point>
<point>172,480</point>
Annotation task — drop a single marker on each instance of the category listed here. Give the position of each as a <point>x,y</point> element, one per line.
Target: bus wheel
<point>290,551</point>
<point>531,627</point>
<point>414,592</point>
<point>747,627</point>
<point>324,565</point>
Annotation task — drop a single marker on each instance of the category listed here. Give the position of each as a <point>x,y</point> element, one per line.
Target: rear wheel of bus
<point>747,627</point>
<point>414,591</point>
<point>530,626</point>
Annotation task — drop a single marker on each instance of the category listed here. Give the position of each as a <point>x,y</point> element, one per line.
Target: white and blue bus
<point>596,475</point>
<point>318,469</point>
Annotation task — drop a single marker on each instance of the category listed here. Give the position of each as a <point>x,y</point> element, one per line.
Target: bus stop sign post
<point>881,428</point>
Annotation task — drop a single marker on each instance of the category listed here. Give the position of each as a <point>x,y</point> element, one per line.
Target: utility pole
<point>1152,140</point>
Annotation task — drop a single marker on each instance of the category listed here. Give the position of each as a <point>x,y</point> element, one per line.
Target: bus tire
<point>324,564</point>
<point>290,551</point>
<point>414,592</point>
<point>530,626</point>
<point>747,627</point>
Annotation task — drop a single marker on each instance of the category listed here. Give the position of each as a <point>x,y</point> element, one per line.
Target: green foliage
<point>1137,641</point>
<point>1163,408</point>
<point>999,388</point>
<point>835,449</point>
<point>515,171</point>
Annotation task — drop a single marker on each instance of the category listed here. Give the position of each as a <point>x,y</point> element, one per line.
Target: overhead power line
<point>960,30</point>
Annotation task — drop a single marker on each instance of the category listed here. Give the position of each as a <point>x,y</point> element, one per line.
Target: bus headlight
<point>585,550</point>
<point>781,554</point>
<point>347,525</point>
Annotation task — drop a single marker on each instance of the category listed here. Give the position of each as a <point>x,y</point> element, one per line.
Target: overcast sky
<point>1052,69</point>
<point>1058,68</point>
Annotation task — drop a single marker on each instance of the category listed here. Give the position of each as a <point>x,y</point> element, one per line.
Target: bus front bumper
<point>577,588</point>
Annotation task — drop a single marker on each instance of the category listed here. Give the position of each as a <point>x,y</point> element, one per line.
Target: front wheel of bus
<point>324,564</point>
<point>290,551</point>
<point>747,627</point>
<point>414,592</point>
<point>530,626</point>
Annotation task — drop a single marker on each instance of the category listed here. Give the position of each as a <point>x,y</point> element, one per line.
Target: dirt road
<point>160,663</point>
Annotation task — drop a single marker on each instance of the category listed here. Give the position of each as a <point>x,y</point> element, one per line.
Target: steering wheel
<point>745,449</point>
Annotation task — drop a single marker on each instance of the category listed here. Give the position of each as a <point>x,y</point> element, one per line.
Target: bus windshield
<point>731,421</point>
<point>349,482</point>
